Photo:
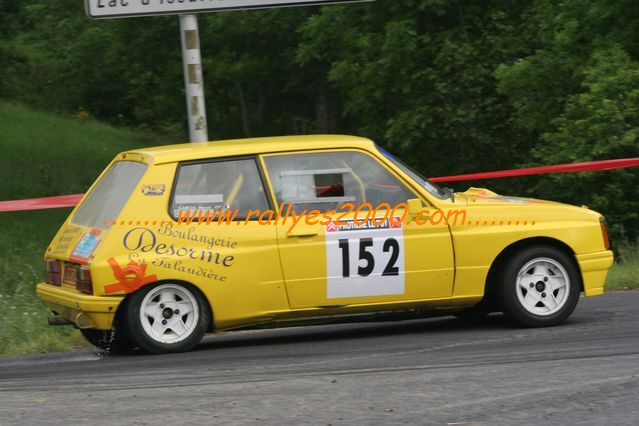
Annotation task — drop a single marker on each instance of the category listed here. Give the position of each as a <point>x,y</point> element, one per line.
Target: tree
<point>574,95</point>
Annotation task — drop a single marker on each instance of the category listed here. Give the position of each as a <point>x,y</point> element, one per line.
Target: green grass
<point>23,318</point>
<point>43,155</point>
<point>624,274</point>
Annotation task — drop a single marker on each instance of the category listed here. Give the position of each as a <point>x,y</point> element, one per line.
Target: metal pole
<point>193,78</point>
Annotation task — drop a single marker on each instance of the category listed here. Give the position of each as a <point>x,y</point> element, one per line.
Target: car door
<point>217,195</point>
<point>344,259</point>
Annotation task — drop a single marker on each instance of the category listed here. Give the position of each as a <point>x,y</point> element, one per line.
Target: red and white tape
<point>41,203</point>
<point>72,199</point>
<point>587,166</point>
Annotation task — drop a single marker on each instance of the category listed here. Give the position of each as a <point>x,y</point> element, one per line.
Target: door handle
<point>303,232</point>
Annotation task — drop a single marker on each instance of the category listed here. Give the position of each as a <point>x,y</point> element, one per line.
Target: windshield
<point>107,199</point>
<point>429,186</point>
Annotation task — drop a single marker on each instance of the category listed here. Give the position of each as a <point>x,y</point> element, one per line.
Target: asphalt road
<point>432,371</point>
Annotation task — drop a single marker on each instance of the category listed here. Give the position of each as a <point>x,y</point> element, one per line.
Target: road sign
<point>102,9</point>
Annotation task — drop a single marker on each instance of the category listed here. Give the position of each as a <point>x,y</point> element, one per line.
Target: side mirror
<point>414,206</point>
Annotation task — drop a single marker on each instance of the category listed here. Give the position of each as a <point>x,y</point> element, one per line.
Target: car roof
<point>236,147</point>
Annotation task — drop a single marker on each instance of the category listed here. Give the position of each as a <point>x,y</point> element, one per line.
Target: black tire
<point>508,286</point>
<point>200,322</point>
<point>114,341</point>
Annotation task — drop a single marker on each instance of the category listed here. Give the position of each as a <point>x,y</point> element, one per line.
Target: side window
<point>219,186</point>
<point>324,181</point>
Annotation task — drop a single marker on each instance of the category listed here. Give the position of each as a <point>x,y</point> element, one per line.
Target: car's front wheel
<point>539,286</point>
<point>167,317</point>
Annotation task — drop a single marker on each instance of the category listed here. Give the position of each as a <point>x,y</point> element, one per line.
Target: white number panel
<point>364,260</point>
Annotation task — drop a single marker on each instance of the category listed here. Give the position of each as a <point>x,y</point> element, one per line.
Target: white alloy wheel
<point>169,313</point>
<point>543,286</point>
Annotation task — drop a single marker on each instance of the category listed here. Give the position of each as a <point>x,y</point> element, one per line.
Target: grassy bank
<point>23,318</point>
<point>624,274</point>
<point>43,155</point>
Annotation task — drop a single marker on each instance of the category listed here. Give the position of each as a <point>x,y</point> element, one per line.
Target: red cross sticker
<point>130,278</point>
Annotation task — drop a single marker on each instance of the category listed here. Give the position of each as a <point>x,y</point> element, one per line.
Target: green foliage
<point>418,77</point>
<point>575,98</point>
<point>600,122</point>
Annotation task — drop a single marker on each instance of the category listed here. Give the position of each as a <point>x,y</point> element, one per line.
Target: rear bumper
<point>594,269</point>
<point>85,311</point>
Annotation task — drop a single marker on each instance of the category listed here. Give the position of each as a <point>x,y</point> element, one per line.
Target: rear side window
<point>219,186</point>
<point>108,197</point>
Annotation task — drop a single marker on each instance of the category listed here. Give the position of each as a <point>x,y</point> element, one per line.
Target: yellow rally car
<point>124,271</point>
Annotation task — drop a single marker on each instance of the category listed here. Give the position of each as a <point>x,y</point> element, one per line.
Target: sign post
<point>193,82</point>
<point>191,58</point>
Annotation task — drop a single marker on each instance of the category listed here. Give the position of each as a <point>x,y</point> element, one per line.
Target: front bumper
<point>85,311</point>
<point>594,269</point>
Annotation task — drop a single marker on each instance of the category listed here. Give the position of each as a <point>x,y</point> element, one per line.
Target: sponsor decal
<point>86,246</point>
<point>364,258</point>
<point>130,277</point>
<point>153,190</point>
<point>332,227</point>
<point>145,240</point>
<point>174,265</point>
<point>66,238</point>
<point>363,225</point>
<point>211,254</point>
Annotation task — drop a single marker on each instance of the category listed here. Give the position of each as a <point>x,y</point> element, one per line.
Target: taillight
<point>52,271</point>
<point>83,280</point>
<point>604,233</point>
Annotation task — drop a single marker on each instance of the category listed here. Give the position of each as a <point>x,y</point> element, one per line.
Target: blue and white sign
<point>85,246</point>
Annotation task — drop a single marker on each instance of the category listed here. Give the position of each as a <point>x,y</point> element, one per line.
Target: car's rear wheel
<point>539,287</point>
<point>167,317</point>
